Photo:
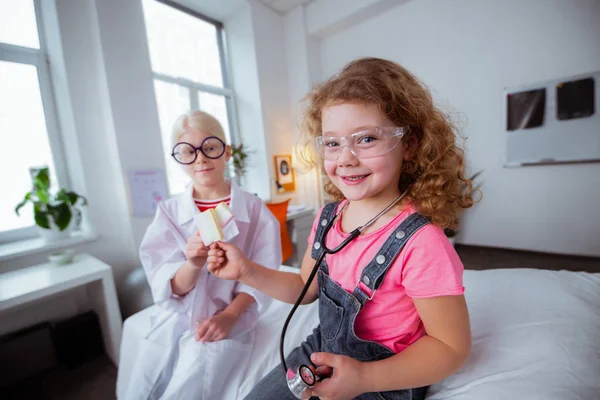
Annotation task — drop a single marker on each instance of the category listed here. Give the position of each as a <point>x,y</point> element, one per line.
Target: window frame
<point>39,59</point>
<point>195,87</point>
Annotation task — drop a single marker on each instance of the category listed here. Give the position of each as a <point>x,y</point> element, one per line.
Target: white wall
<point>244,74</point>
<point>301,52</point>
<point>269,39</point>
<point>131,93</point>
<point>467,51</point>
<point>256,39</point>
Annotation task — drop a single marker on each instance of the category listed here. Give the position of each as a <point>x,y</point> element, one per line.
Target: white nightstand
<point>39,282</point>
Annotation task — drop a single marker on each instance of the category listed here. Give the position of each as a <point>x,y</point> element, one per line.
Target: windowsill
<point>37,245</point>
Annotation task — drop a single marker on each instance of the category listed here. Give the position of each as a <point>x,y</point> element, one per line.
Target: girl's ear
<point>227,153</point>
<point>410,147</point>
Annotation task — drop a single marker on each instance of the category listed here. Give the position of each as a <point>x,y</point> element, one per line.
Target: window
<point>187,56</point>
<point>28,132</point>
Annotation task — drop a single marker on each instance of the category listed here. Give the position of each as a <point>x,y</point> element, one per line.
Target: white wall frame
<point>195,87</point>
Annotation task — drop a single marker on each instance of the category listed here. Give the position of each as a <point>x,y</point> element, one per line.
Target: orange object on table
<point>279,210</point>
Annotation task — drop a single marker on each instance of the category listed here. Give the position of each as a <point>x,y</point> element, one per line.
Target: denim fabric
<point>337,312</point>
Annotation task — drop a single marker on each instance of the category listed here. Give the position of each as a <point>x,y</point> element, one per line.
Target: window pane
<point>172,101</point>
<point>23,142</point>
<point>17,23</point>
<point>182,45</point>
<point>215,105</point>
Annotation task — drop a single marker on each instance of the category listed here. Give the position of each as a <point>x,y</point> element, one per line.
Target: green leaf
<point>73,197</point>
<point>70,198</point>
<point>41,219</point>
<point>62,196</point>
<point>39,206</point>
<point>42,179</point>
<point>239,155</point>
<point>21,204</point>
<point>43,196</point>
<point>61,213</point>
<point>41,184</point>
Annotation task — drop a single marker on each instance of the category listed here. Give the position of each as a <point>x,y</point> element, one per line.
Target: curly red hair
<point>434,174</point>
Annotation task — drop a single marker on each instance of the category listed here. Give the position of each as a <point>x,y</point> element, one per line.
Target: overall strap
<point>373,274</point>
<point>327,214</point>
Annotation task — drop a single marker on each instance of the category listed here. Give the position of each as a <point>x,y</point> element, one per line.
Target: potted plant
<point>451,233</point>
<point>53,212</point>
<point>239,156</point>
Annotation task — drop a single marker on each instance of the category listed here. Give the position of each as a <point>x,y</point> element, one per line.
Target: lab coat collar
<point>238,204</point>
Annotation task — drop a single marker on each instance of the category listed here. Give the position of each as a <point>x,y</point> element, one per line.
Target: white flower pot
<point>54,234</point>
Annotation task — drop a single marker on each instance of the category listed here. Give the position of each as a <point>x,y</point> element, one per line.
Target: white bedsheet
<point>535,336</point>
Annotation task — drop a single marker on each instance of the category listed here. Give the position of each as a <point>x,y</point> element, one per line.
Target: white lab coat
<point>171,364</point>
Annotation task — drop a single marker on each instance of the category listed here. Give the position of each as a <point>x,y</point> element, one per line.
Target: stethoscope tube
<point>326,251</point>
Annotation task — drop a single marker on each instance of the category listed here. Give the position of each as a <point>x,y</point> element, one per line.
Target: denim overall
<point>338,310</point>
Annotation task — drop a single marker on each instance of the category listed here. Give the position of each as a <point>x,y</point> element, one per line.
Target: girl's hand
<point>215,328</point>
<point>195,251</point>
<point>226,261</point>
<point>346,379</point>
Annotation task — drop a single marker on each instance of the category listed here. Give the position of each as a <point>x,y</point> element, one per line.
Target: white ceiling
<point>219,10</point>
<point>223,9</point>
<point>283,6</point>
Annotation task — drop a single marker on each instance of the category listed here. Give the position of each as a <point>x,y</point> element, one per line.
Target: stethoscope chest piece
<point>300,378</point>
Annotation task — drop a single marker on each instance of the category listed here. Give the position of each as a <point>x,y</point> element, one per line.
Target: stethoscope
<point>301,377</point>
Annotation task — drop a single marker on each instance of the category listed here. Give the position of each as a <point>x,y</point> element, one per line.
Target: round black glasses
<point>185,153</point>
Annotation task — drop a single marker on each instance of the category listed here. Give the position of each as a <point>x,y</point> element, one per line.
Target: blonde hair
<point>434,174</point>
<point>199,120</point>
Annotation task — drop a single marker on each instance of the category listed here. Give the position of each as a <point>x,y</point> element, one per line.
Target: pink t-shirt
<point>427,266</point>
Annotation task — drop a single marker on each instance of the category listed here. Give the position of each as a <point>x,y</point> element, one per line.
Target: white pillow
<point>535,336</point>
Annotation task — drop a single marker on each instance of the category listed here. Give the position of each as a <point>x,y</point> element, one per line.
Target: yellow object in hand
<point>211,223</point>
<point>224,214</point>
<point>209,226</point>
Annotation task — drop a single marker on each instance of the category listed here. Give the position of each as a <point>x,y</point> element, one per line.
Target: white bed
<point>535,336</point>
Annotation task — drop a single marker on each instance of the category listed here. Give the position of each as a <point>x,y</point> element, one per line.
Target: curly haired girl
<point>393,317</point>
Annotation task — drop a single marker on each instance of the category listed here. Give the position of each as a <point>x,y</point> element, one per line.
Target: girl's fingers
<point>199,249</point>
<point>201,330</point>
<point>323,371</point>
<point>195,240</point>
<point>196,253</point>
<point>191,247</point>
<point>215,260</point>
<point>212,267</point>
<point>208,335</point>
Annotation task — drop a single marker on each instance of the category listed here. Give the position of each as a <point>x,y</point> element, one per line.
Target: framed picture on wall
<point>284,173</point>
<point>553,121</point>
